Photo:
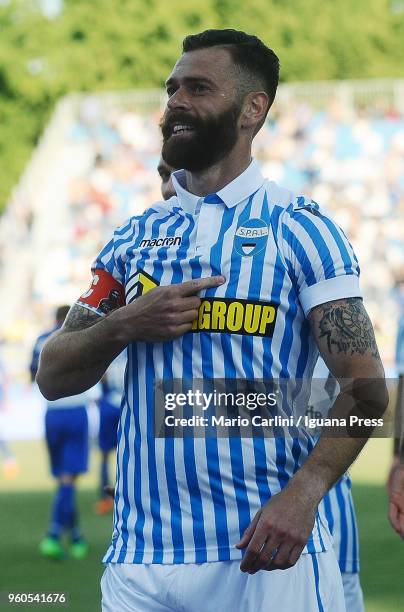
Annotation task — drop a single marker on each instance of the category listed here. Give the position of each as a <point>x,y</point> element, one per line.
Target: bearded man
<point>237,279</point>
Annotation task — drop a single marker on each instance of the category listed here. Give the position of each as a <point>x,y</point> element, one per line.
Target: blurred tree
<point>49,48</point>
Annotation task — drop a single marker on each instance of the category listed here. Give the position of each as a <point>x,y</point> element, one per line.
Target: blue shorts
<point>67,440</point>
<point>109,419</point>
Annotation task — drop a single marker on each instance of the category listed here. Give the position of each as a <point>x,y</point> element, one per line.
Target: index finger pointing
<point>194,286</point>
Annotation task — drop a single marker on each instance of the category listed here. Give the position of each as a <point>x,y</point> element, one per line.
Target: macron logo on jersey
<point>161,242</point>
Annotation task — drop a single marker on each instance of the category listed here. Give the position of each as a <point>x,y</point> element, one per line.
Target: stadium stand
<point>340,143</point>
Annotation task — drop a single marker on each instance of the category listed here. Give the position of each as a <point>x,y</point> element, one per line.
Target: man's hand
<point>395,488</point>
<point>77,356</point>
<point>163,313</point>
<point>279,531</point>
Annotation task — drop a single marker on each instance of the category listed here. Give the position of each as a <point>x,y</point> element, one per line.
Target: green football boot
<point>52,548</point>
<point>78,549</point>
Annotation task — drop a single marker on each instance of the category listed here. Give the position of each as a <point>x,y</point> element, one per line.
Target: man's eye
<point>198,88</point>
<point>171,89</point>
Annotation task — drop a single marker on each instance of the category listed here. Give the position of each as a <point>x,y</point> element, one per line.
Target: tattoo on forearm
<point>347,327</point>
<point>80,318</point>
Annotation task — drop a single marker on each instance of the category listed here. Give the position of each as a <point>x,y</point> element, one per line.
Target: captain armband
<point>104,295</point>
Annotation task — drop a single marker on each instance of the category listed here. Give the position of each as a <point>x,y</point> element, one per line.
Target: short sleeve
<point>107,290</point>
<point>107,260</point>
<point>320,259</point>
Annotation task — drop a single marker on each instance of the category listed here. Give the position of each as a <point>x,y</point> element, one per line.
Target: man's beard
<point>209,142</point>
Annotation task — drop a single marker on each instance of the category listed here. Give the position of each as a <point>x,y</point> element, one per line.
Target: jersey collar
<point>240,188</point>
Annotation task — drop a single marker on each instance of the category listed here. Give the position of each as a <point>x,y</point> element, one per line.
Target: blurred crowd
<point>120,179</point>
<point>349,160</point>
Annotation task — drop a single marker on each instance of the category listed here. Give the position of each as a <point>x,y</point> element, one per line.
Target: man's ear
<point>255,107</point>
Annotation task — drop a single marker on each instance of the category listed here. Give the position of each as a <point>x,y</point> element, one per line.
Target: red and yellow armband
<point>104,295</point>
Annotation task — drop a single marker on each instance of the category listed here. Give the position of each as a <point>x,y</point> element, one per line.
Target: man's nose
<point>179,100</point>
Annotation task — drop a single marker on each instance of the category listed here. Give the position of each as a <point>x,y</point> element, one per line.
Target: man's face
<point>200,123</point>
<point>165,171</point>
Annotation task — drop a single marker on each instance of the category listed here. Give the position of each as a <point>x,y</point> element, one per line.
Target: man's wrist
<point>115,327</point>
<point>309,484</point>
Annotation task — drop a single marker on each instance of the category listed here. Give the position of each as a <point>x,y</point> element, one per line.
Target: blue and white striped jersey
<point>181,500</point>
<point>338,504</point>
<point>341,518</point>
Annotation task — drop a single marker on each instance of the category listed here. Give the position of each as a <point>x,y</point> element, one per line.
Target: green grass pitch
<point>24,508</point>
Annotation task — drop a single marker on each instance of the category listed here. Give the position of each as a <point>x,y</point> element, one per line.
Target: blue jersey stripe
<point>116,517</point>
<point>346,258</point>
<point>234,442</point>
<point>300,255</point>
<point>276,290</point>
<point>236,454</point>
<point>311,548</point>
<point>320,244</point>
<point>169,459</point>
<point>343,520</point>
<point>317,582</point>
<point>328,512</point>
<point>150,375</point>
<point>296,452</point>
<point>152,467</point>
<point>137,484</point>
<point>340,515</point>
<point>129,233</point>
<point>260,453</point>
<point>354,531</point>
<point>125,228</point>
<point>126,508</point>
<point>140,514</point>
<point>320,537</point>
<point>198,527</point>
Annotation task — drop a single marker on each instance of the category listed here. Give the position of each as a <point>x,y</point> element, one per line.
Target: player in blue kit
<point>109,404</point>
<point>66,428</point>
<point>233,278</point>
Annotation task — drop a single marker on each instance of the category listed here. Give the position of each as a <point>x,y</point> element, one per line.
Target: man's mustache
<point>168,121</point>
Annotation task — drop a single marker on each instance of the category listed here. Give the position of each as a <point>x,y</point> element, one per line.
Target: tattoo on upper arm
<point>347,328</point>
<point>80,318</point>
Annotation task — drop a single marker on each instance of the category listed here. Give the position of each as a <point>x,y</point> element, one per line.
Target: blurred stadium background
<point>80,100</point>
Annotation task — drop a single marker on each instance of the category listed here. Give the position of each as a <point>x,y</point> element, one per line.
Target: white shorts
<point>313,585</point>
<point>353,592</point>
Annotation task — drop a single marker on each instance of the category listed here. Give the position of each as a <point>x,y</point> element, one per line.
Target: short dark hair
<point>257,61</point>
